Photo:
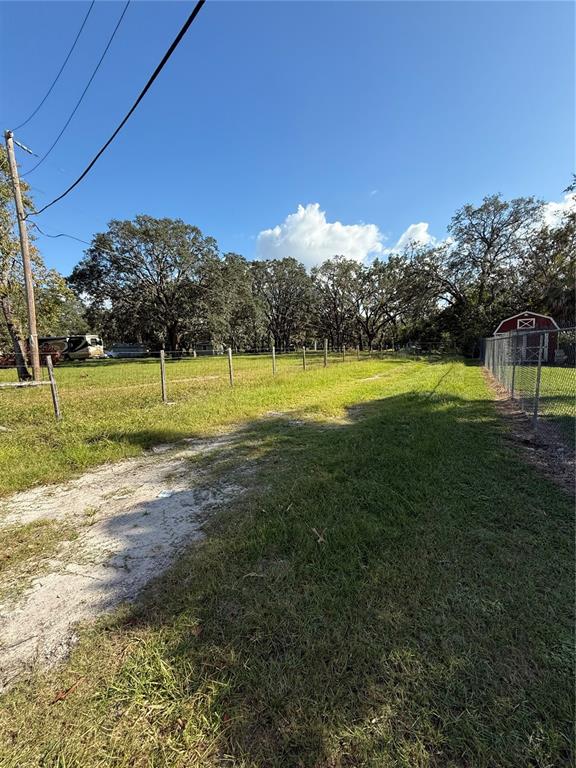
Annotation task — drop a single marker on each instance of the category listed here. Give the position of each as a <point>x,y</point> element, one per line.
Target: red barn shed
<point>528,327</point>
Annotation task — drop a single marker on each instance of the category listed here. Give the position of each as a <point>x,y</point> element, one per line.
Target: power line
<point>144,91</point>
<point>49,91</point>
<point>73,237</point>
<point>93,75</point>
<point>60,234</point>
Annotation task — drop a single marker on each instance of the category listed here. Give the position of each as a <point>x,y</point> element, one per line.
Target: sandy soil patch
<point>132,518</point>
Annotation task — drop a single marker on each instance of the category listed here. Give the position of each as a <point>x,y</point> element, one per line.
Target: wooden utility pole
<point>25,249</point>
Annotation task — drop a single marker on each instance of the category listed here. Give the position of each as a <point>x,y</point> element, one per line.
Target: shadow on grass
<point>392,591</point>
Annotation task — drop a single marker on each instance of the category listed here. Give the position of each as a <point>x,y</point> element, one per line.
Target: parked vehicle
<point>128,350</point>
<point>83,347</point>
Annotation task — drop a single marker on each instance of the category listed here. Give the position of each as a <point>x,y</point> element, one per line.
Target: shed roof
<point>526,313</point>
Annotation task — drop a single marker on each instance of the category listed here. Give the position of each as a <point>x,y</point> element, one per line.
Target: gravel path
<point>132,517</point>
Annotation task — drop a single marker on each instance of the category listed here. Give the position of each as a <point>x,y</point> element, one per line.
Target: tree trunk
<point>173,338</point>
<point>16,335</point>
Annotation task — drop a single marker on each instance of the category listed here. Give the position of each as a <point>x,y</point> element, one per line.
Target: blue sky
<point>383,113</point>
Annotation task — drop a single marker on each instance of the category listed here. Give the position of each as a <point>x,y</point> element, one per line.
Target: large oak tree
<point>152,276</point>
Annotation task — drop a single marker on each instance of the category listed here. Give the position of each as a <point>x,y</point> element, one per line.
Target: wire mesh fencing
<point>536,368</point>
<point>166,376</point>
<point>427,350</point>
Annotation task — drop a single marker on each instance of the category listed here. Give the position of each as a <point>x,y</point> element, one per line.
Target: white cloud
<point>307,236</point>
<point>416,233</point>
<point>553,212</point>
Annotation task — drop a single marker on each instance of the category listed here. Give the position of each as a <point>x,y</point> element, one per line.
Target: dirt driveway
<point>130,519</point>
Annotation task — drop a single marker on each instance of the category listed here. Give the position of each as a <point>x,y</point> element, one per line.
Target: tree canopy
<point>500,257</point>
<point>165,283</point>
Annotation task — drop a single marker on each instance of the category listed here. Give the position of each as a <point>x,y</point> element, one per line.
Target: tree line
<point>163,282</point>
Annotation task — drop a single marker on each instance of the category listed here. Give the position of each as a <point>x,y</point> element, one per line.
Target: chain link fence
<point>537,370</point>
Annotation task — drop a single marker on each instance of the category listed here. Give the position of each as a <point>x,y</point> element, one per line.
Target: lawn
<point>113,410</point>
<point>394,590</point>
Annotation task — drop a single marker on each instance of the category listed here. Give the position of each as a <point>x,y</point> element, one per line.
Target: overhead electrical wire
<point>72,237</point>
<point>143,92</point>
<point>84,92</point>
<point>49,91</point>
<point>60,234</point>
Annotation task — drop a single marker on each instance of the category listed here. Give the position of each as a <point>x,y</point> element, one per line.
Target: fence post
<point>230,368</point>
<point>273,360</point>
<point>53,388</point>
<point>357,351</point>
<point>163,376</point>
<point>538,377</point>
<point>304,358</point>
<point>343,352</point>
<point>325,352</point>
<point>514,348</point>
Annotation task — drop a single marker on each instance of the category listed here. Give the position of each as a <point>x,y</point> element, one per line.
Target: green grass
<point>113,410</point>
<point>394,590</point>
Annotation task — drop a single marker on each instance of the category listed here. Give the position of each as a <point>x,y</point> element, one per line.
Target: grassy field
<point>394,590</point>
<point>113,409</point>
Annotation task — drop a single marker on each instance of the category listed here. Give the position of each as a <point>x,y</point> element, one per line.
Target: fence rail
<point>536,368</point>
<point>171,373</point>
